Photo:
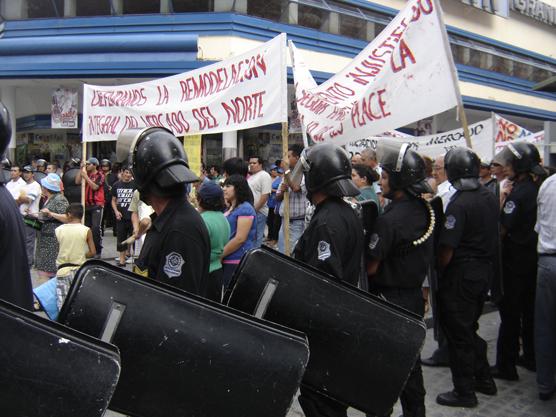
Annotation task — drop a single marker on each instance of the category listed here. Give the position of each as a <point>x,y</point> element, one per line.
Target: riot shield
<point>50,370</point>
<point>183,355</point>
<point>362,347</point>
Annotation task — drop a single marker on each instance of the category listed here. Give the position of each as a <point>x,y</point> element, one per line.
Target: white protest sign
<point>405,74</point>
<point>438,144</point>
<point>507,132</point>
<point>242,92</point>
<point>536,139</point>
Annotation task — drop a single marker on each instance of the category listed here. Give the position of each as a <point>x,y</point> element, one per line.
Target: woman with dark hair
<point>243,228</point>
<point>364,177</point>
<point>210,199</point>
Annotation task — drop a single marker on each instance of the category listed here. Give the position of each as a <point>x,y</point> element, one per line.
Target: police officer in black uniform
<point>468,247</point>
<point>177,247</point>
<point>333,240</point>
<point>15,279</point>
<point>400,247</point>
<point>72,191</point>
<point>519,260</point>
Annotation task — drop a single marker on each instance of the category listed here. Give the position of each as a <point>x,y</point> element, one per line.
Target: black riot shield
<point>362,347</point>
<point>183,355</point>
<point>49,370</point>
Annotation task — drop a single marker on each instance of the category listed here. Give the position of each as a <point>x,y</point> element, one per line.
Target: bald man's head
<point>438,171</point>
<point>368,158</point>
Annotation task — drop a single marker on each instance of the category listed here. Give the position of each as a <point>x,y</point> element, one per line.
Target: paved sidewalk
<point>514,399</point>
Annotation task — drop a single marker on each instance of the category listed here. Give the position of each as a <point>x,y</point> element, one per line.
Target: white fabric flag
<point>406,74</point>
<point>438,144</point>
<point>242,92</point>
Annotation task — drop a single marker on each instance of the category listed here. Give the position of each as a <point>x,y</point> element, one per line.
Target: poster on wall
<point>63,113</point>
<point>192,147</point>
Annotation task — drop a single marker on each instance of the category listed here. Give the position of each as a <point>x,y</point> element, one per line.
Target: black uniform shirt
<point>15,280</point>
<point>333,241</point>
<point>177,248</point>
<point>519,213</point>
<point>471,225</point>
<point>402,265</point>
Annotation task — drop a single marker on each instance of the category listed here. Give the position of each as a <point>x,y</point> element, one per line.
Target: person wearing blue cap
<point>47,245</point>
<point>210,198</point>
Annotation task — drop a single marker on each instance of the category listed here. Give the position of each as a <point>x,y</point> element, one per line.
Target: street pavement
<point>514,399</point>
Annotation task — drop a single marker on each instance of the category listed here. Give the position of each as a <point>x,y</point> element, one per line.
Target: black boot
<point>456,399</point>
<point>485,386</point>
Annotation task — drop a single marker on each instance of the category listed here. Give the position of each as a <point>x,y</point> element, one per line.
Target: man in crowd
<point>297,199</point>
<point>94,199</point>
<point>519,260</point>
<point>545,303</point>
<point>368,158</point>
<point>28,202</point>
<point>177,246</point>
<point>400,248</point>
<point>504,183</point>
<point>41,166</point>
<point>445,190</point>
<point>16,183</point>
<point>468,248</point>
<point>15,279</point>
<point>261,186</point>
<point>486,178</point>
<point>121,195</point>
<point>332,242</point>
<point>109,179</point>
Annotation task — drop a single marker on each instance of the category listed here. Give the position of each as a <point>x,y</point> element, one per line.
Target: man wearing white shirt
<point>260,183</point>
<point>16,182</point>
<point>444,189</point>
<point>28,202</point>
<point>545,303</point>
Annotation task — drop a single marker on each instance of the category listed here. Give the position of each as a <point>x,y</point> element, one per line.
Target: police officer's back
<point>468,249</point>
<point>15,280</point>
<point>177,248</point>
<point>333,240</point>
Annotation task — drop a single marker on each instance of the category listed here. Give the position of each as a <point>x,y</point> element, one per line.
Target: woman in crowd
<point>47,245</point>
<point>364,177</point>
<point>210,199</point>
<point>243,228</point>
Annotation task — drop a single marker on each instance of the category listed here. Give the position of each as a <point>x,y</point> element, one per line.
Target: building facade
<point>502,49</point>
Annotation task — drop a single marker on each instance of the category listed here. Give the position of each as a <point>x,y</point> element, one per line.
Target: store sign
<point>63,113</point>
<point>497,7</point>
<point>405,74</point>
<point>242,92</point>
<point>535,9</point>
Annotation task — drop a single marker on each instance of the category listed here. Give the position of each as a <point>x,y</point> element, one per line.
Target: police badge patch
<point>509,207</point>
<point>324,250</point>
<point>373,241</point>
<point>450,222</point>
<point>173,265</point>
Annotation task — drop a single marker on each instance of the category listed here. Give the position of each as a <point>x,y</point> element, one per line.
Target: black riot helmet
<point>157,160</point>
<point>105,161</point>
<point>405,168</point>
<point>5,129</point>
<point>462,168</point>
<point>522,156</point>
<point>327,168</point>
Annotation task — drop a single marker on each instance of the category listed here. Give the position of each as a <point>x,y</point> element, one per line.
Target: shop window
<point>93,8</point>
<point>313,18</point>
<point>45,8</point>
<point>353,27</point>
<point>521,70</point>
<point>189,6</point>
<point>141,7</point>
<point>271,10</point>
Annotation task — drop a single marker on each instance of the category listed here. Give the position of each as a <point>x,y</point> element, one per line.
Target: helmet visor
<point>391,154</point>
<point>506,156</point>
<point>126,143</point>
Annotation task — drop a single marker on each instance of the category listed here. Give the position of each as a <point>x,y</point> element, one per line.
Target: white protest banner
<point>536,139</point>
<point>440,143</point>
<point>506,132</point>
<point>63,114</point>
<point>245,91</point>
<point>405,74</point>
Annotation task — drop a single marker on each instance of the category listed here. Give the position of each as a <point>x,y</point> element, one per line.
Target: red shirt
<point>95,198</point>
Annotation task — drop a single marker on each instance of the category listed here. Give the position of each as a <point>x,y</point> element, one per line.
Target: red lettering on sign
<point>244,108</point>
<point>204,118</point>
<point>369,109</point>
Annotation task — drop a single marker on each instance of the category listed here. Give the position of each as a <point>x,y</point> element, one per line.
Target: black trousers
<point>461,295</point>
<point>517,307</point>
<point>93,219</point>
<point>273,221</point>
<point>412,397</point>
<point>124,229</point>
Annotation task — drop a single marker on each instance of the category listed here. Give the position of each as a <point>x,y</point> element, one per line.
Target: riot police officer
<point>400,247</point>
<point>177,248</point>
<point>333,240</point>
<point>468,248</point>
<point>519,259</point>
<point>15,280</point>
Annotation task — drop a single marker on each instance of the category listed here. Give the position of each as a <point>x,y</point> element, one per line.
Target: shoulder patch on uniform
<point>450,222</point>
<point>373,241</point>
<point>509,207</point>
<point>173,265</point>
<point>324,250</point>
